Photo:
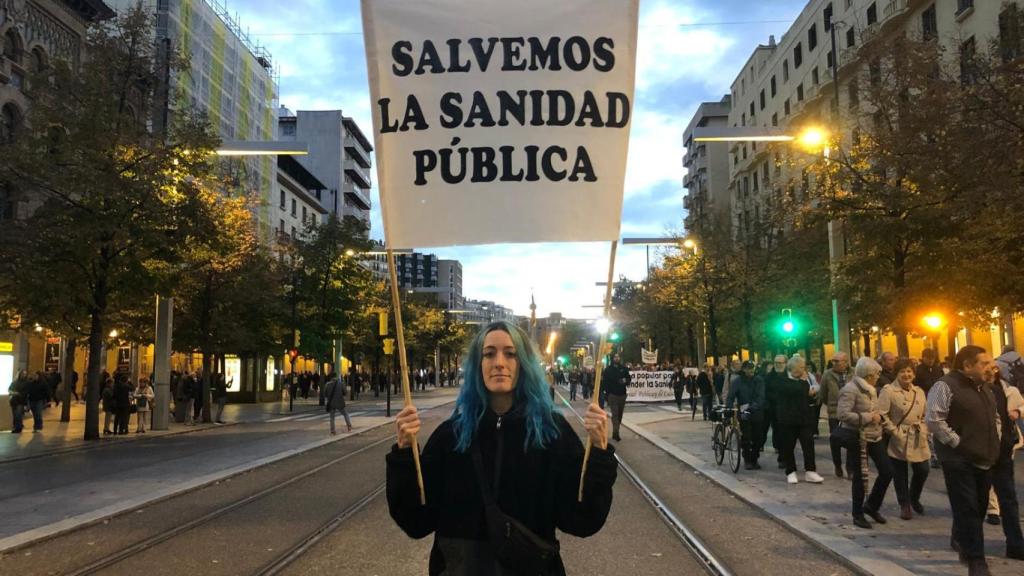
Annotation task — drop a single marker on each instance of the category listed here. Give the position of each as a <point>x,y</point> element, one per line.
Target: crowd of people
<point>901,416</point>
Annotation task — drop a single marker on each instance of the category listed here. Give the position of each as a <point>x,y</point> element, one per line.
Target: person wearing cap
<point>746,391</point>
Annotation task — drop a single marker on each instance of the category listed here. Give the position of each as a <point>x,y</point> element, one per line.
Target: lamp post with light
<point>811,139</point>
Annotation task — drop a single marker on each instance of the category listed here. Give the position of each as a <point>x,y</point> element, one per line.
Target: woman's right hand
<point>408,425</point>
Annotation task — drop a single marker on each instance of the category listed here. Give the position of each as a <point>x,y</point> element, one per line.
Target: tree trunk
<point>713,331</point>
<point>902,343</point>
<point>68,358</point>
<point>92,391</point>
<point>867,344</point>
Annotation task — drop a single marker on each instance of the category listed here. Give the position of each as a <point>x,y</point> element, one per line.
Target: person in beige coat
<point>860,431</point>
<point>902,405</point>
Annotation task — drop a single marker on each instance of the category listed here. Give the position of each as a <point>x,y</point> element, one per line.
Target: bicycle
<point>726,438</point>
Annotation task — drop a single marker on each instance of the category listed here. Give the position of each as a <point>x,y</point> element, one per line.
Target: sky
<point>688,52</point>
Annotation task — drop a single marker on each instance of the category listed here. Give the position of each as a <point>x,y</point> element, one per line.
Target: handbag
<point>514,545</point>
<point>846,437</point>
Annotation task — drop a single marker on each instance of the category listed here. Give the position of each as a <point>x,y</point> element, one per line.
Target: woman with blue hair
<point>502,473</point>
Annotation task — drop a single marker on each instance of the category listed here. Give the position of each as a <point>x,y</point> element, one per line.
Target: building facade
<point>706,180</point>
<point>339,154</point>
<point>449,284</point>
<point>33,34</point>
<point>231,79</point>
<point>485,312</point>
<point>297,192</point>
<point>791,84</point>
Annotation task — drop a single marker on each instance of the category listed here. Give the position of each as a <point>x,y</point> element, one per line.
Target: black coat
<point>538,487</point>
<point>791,400</point>
<point>615,379</point>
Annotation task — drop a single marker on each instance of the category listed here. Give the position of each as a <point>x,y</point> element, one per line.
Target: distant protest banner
<point>650,386</point>
<point>499,121</point>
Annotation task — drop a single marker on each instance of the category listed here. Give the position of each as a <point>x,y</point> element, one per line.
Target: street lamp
<point>812,139</point>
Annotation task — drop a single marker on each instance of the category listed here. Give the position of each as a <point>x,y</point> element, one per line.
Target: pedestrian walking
<point>834,379</point>
<point>678,386</point>
<point>574,383</point>
<point>107,401</point>
<point>963,416</point>
<point>143,405</point>
<point>198,395</point>
<point>691,392</point>
<point>38,394</point>
<point>19,401</point>
<point>614,380</point>
<point>706,390</point>
<point>861,431</point>
<point>926,374</point>
<point>1004,492</point>
<point>887,360</point>
<point>771,385</point>
<point>122,404</point>
<point>334,395</point>
<point>795,421</point>
<point>902,406</point>
<point>719,384</point>
<point>746,392</point>
<point>188,393</point>
<point>220,396</point>
<point>505,456</point>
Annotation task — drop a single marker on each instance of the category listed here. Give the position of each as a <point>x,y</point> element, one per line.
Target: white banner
<point>648,357</point>
<point>650,386</point>
<point>499,121</point>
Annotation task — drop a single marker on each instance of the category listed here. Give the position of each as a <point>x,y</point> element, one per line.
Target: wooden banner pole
<point>403,362</point>
<point>598,365</point>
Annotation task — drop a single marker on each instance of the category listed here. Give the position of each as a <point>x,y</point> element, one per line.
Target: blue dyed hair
<point>531,391</point>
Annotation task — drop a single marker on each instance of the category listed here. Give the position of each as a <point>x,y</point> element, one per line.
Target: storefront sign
<point>6,347</point>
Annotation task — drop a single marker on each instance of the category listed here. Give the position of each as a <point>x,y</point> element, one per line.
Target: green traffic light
<point>787,327</point>
<point>614,337</point>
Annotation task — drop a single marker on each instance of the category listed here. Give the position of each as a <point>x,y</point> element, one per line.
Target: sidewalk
<point>58,437</point>
<point>822,512</point>
<point>44,496</point>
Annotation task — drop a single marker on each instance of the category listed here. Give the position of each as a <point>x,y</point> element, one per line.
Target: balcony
<point>354,151</point>
<point>359,198</point>
<point>358,174</point>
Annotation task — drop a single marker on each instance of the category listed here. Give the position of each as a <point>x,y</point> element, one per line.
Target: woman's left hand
<point>596,423</point>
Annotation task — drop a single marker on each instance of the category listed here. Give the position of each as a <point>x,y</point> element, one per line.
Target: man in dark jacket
<point>38,395</point>
<point>888,362</point>
<point>928,371</point>
<point>706,390</point>
<point>614,381</point>
<point>122,403</point>
<point>746,392</point>
<point>1003,482</point>
<point>963,417</point>
<point>772,380</point>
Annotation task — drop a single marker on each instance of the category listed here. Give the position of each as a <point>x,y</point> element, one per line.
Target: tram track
<point>180,522</point>
<point>696,546</point>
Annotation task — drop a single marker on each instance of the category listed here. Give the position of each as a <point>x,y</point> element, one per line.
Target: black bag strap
<point>907,413</point>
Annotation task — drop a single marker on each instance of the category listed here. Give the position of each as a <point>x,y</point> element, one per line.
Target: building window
<point>785,107</point>
<point>785,71</point>
<point>10,121</point>
<point>963,5</point>
<point>773,86</point>
<point>288,129</point>
<point>872,14</point>
<point>968,51</point>
<point>39,60</point>
<point>743,118</point>
<point>875,72</point>
<point>764,168</point>
<point>929,23</point>
<point>293,232</point>
<point>830,59</point>
<point>800,92</point>
<point>283,202</point>
<point>762,99</point>
<point>280,225</point>
<point>828,17</point>
<point>756,187</point>
<point>851,37</point>
<point>1011,32</point>
<point>12,46</point>
<point>303,214</point>
<point>751,111</point>
<point>798,56</point>
<point>812,37</point>
<point>744,151</point>
<point>746,186</point>
<point>294,206</point>
<point>814,74</point>
<point>854,94</point>
<point>775,119</point>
